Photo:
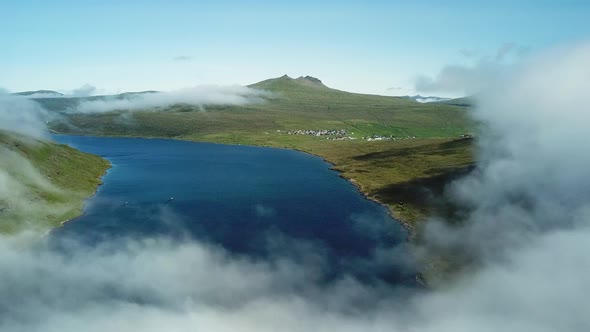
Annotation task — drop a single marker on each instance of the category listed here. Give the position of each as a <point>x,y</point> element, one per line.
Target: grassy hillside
<point>43,183</point>
<point>426,145</point>
<point>302,103</point>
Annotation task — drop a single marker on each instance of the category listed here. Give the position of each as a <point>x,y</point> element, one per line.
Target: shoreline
<point>93,193</point>
<point>81,211</point>
<point>359,187</point>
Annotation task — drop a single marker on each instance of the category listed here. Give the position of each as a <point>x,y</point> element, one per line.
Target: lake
<point>262,203</point>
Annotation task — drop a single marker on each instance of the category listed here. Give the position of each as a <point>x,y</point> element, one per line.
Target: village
<point>341,135</point>
<point>311,132</point>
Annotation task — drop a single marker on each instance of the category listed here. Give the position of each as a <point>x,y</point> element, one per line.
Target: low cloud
<point>395,88</point>
<point>511,49</point>
<point>23,189</point>
<point>458,79</point>
<point>21,115</point>
<point>197,96</point>
<point>83,91</point>
<point>473,78</point>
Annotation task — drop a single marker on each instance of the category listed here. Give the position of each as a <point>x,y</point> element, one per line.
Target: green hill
<point>43,183</point>
<point>65,104</point>
<point>302,103</point>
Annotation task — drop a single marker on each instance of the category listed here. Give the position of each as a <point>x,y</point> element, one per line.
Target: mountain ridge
<point>38,92</point>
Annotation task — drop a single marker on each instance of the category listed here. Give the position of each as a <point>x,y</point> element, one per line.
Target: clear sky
<point>363,46</point>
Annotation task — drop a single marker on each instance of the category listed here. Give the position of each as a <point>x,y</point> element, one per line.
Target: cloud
<point>429,99</point>
<point>18,114</point>
<point>526,224</point>
<point>457,79</point>
<point>504,50</point>
<point>83,91</point>
<point>157,285</point>
<point>23,189</point>
<point>198,96</point>
<point>535,117</point>
<point>395,88</point>
<point>511,49</point>
<point>478,76</point>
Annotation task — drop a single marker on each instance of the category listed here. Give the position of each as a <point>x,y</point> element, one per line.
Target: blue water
<point>259,202</point>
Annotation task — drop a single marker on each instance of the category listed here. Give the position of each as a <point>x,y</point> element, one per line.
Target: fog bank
<point>196,96</point>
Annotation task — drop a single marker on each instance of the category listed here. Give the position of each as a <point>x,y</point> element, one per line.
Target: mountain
<point>313,93</point>
<point>40,94</point>
<point>293,104</point>
<point>48,182</point>
<point>425,99</point>
<point>286,84</point>
<point>64,103</point>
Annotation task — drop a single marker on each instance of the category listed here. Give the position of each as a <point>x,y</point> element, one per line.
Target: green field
<point>45,183</point>
<point>425,152</point>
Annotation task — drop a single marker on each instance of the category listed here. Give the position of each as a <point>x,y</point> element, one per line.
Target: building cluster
<point>386,138</point>
<point>311,132</point>
<point>340,138</point>
<point>341,135</point>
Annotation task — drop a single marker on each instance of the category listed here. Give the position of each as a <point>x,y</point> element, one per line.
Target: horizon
<point>47,93</point>
<point>378,49</point>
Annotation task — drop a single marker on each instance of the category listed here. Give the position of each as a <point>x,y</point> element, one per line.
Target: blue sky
<point>363,46</point>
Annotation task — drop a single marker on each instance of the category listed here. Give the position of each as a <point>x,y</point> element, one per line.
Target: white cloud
<point>475,77</point>
<point>18,114</point>
<point>201,95</point>
<point>83,91</point>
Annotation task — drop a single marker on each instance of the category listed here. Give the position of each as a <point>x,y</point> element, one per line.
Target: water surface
<point>259,202</point>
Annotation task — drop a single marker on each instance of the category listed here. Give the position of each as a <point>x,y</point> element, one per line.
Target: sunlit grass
<point>67,177</point>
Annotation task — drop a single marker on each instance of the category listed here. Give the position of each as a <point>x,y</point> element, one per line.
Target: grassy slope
<point>73,177</point>
<point>393,172</point>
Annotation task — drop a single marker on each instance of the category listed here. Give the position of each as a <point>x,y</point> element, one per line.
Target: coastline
<point>101,182</point>
<point>359,187</point>
<point>80,211</point>
<point>409,227</point>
